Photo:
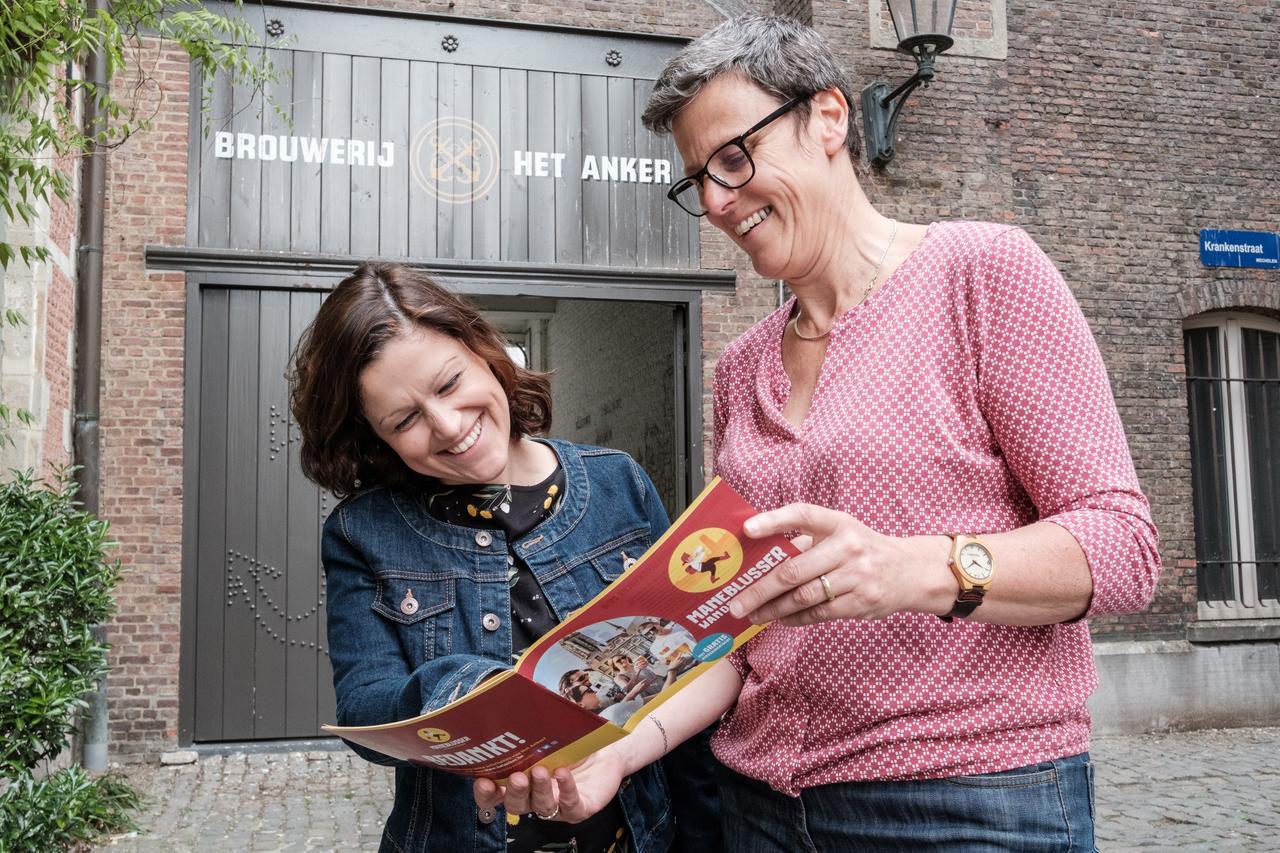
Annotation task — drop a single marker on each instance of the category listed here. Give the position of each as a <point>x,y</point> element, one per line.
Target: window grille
<point>1233,399</point>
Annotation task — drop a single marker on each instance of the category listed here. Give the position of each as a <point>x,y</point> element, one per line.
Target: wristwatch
<point>972,564</point>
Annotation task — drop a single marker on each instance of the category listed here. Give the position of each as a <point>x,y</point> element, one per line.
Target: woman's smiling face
<point>778,216</point>
<point>439,407</point>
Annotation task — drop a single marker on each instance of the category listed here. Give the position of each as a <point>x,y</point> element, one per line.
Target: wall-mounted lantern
<point>924,31</point>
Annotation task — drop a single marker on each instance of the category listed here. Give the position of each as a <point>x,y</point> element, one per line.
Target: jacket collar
<point>573,506</point>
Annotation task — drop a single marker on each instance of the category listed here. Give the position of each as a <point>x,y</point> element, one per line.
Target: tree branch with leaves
<point>43,48</point>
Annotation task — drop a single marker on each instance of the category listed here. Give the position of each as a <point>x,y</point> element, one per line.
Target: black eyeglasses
<point>730,165</point>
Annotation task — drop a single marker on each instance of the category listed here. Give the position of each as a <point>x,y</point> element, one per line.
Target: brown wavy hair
<point>371,307</point>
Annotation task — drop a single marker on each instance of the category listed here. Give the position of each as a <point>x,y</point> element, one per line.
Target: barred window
<point>1233,397</point>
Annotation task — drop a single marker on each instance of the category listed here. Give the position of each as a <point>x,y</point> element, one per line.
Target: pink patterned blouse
<point>967,395</point>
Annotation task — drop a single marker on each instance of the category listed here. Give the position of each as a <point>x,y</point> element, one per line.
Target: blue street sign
<point>1239,249</point>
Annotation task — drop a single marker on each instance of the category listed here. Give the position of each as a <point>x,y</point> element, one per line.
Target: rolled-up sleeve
<point>1043,388</point>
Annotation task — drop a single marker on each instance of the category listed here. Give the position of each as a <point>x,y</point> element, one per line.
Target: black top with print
<point>516,510</point>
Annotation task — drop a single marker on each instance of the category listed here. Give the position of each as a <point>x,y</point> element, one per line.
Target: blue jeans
<point>1042,807</point>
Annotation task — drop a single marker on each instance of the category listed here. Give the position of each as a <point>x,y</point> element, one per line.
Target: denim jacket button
<point>491,622</point>
<point>488,815</point>
<point>484,538</point>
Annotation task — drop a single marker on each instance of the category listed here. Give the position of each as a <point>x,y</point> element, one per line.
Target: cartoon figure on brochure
<point>699,561</point>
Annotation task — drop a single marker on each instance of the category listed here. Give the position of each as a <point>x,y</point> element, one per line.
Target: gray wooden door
<point>255,663</point>
<point>258,632</point>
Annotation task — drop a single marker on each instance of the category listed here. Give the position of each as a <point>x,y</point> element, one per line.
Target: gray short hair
<point>780,55</point>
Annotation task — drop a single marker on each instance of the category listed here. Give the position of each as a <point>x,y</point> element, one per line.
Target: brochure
<point>594,677</point>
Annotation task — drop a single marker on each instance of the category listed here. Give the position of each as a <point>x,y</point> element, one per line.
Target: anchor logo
<point>454,159</point>
<point>451,154</point>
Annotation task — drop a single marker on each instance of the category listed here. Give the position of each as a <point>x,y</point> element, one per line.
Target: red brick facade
<point>1113,138</point>
<point>37,356</point>
<point>59,325</point>
<point>56,447</point>
<point>142,370</point>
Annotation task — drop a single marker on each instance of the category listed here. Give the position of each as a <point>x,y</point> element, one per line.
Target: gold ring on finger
<point>554,813</point>
<point>826,588</point>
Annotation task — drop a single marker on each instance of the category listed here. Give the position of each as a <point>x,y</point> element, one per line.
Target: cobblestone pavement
<point>237,803</point>
<point>1213,790</point>
<point>1209,790</point>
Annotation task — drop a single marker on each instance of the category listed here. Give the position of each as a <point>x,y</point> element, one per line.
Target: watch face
<point>975,561</point>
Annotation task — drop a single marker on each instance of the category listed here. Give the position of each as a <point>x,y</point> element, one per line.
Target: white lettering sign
<point>540,164</point>
<point>1245,248</point>
<point>337,152</point>
<point>603,167</point>
<point>367,152</point>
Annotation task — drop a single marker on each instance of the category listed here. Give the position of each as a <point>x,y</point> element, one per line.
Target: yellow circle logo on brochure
<point>705,560</point>
<point>433,735</point>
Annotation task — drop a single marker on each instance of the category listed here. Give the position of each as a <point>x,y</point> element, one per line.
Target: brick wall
<point>1111,135</point>
<point>1113,138</point>
<point>36,358</point>
<point>58,367</point>
<point>142,358</point>
<point>59,361</point>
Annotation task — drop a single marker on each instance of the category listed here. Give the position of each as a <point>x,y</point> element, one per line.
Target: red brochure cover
<point>593,677</point>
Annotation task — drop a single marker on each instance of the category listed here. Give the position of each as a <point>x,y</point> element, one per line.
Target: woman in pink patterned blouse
<point>931,414</point>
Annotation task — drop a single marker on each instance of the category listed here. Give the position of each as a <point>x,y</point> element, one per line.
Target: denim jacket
<point>388,665</point>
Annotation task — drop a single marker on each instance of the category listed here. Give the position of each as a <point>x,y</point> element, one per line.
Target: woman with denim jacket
<point>460,539</point>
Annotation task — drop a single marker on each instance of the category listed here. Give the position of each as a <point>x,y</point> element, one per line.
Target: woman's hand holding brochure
<point>573,794</point>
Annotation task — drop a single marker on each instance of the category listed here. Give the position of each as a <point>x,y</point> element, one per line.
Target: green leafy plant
<point>63,811</point>
<point>56,582</point>
<point>8,414</point>
<point>43,48</point>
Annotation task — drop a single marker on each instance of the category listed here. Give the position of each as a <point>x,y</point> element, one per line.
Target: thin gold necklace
<point>866,291</point>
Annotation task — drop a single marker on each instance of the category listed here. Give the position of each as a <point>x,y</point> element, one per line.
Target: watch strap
<point>966,603</point>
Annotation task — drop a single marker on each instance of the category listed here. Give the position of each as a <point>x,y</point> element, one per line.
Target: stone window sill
<point>1233,630</point>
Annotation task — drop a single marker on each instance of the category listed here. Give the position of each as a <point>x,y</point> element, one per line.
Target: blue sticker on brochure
<point>713,648</point>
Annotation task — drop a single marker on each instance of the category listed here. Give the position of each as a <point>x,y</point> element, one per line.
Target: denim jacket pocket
<point>420,605</point>
<point>611,559</point>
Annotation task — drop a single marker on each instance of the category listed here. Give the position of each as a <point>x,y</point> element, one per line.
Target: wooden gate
<point>257,639</point>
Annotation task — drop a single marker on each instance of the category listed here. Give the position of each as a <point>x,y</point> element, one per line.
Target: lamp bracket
<point>881,107</point>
